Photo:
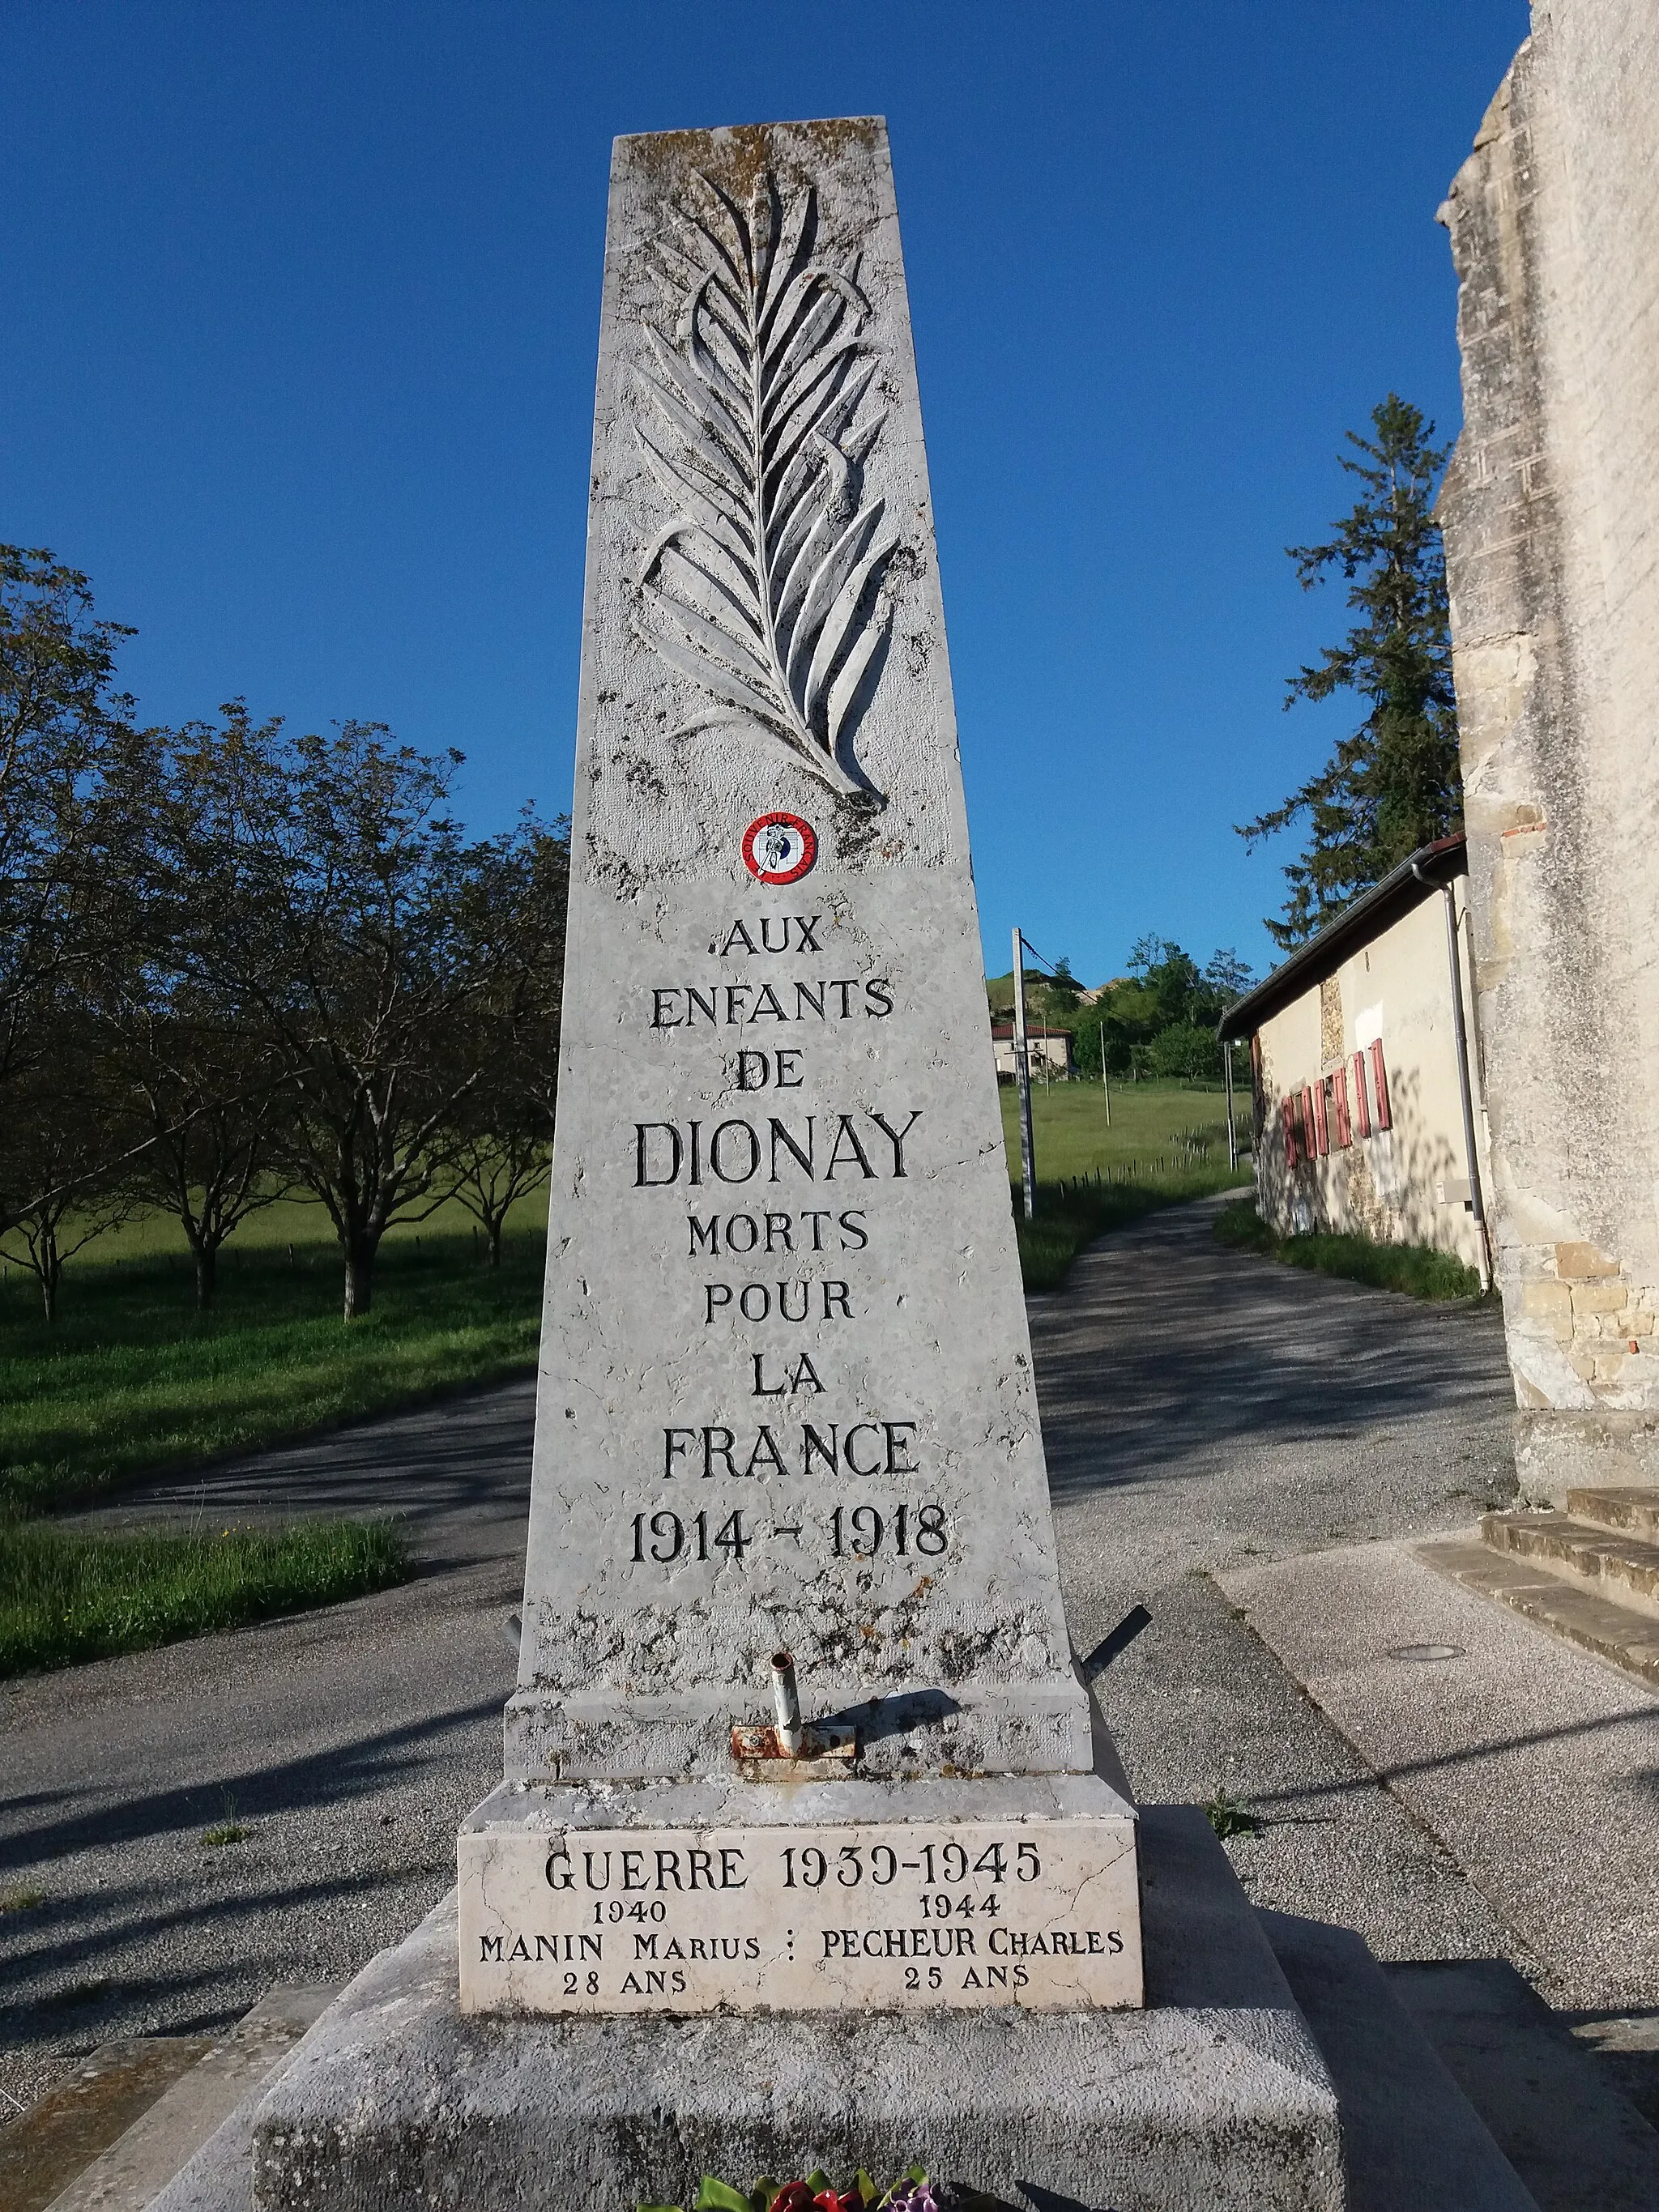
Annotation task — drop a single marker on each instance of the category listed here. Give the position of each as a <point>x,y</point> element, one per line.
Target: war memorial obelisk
<point>786,1402</point>
<point>811,1847</point>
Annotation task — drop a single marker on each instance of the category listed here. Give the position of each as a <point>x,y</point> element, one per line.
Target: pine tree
<point>1394,784</point>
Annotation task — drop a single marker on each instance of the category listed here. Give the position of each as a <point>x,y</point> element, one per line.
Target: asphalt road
<point>1201,1409</point>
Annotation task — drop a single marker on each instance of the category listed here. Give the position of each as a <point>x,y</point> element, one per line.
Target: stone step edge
<point>239,2064</point>
<point>1627,1511</point>
<point>1617,1633</point>
<point>1620,1567</point>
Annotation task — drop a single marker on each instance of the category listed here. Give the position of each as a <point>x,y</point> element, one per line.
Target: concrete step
<point>1620,1567</point>
<point>1553,2105</point>
<point>1412,2141</point>
<point>1569,1609</point>
<point>1633,1512</point>
<point>63,2131</point>
<point>113,2135</point>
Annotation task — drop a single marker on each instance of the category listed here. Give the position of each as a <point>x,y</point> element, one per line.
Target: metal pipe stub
<point>786,1703</point>
<point>786,1743</point>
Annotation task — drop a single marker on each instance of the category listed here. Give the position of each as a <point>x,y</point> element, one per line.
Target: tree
<point>58,1140</point>
<point>1394,785</point>
<point>1160,1019</point>
<point>189,1066</point>
<point>59,719</point>
<point>1227,978</point>
<point>387,962</point>
<point>1186,1051</point>
<point>1063,985</point>
<point>503,1135</point>
<point>212,1104</point>
<point>1169,975</point>
<point>501,1153</point>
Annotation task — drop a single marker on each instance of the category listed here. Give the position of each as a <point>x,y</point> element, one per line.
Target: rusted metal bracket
<point>761,1740</point>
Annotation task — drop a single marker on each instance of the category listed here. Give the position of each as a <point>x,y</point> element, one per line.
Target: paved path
<point>1203,1410</point>
<point>349,1743</point>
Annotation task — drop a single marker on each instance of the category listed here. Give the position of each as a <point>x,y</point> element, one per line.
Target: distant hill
<point>1159,1022</point>
<point>1058,1009</point>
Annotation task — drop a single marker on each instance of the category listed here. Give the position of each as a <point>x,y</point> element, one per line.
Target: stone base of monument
<point>1215,2094</point>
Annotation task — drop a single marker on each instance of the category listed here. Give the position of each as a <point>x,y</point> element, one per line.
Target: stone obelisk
<point>810,1848</point>
<point>786,1409</point>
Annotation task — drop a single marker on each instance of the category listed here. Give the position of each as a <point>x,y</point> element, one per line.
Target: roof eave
<point>1401,890</point>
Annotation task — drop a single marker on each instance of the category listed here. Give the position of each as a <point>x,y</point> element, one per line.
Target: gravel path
<point>1201,1408</point>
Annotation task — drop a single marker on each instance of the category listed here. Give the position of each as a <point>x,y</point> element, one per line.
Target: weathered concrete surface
<point>1041,1907</point>
<point>1410,2142</point>
<point>1527,2076</point>
<point>1532,1762</point>
<point>1551,512</point>
<point>1624,1569</point>
<point>1610,1631</point>
<point>1214,2094</point>
<point>45,2147</point>
<point>1410,2137</point>
<point>782,1286</point>
<point>139,2164</point>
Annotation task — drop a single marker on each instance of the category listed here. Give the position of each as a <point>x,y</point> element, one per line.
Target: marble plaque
<point>882,1917</point>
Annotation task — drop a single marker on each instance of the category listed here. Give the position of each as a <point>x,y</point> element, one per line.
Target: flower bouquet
<point>912,2192</point>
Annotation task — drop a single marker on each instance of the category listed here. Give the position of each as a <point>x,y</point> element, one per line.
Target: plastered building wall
<point>1551,513</point>
<point>1408,1184</point>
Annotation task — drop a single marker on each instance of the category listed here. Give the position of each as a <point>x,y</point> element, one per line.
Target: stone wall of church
<point>1551,512</point>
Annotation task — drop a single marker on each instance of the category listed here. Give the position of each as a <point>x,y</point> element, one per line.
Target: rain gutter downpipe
<point>1459,1037</point>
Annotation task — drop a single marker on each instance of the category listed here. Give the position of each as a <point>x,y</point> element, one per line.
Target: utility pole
<point>1023,1079</point>
<point>1232,1140</point>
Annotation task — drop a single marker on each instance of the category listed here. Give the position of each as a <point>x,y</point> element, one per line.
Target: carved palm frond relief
<point>765,587</point>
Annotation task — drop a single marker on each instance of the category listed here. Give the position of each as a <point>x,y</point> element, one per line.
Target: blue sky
<point>300,318</point>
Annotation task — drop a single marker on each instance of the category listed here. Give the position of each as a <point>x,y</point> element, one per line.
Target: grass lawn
<point>131,1378</point>
<point>1416,1269</point>
<point>67,1595</point>
<point>1165,1143</point>
<point>299,1222</point>
<point>1148,1122</point>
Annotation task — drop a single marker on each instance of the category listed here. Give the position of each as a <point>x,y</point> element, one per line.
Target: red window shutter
<point>1380,1085</point>
<point>1321,1128</point>
<point>1309,1136</point>
<point>1339,1099</point>
<point>1362,1107</point>
<point>1288,1110</point>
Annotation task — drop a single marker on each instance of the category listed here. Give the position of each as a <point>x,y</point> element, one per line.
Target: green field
<point>300,1222</point>
<point>1165,1143</point>
<point>132,1378</point>
<point>1149,1123</point>
<point>67,1595</point>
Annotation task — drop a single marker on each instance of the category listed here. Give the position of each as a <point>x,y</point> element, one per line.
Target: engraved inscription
<point>1039,1913</point>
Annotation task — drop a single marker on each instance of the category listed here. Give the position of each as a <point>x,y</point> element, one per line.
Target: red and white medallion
<point>779,848</point>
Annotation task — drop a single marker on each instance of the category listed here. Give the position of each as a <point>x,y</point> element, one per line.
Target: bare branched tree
<point>388,963</point>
